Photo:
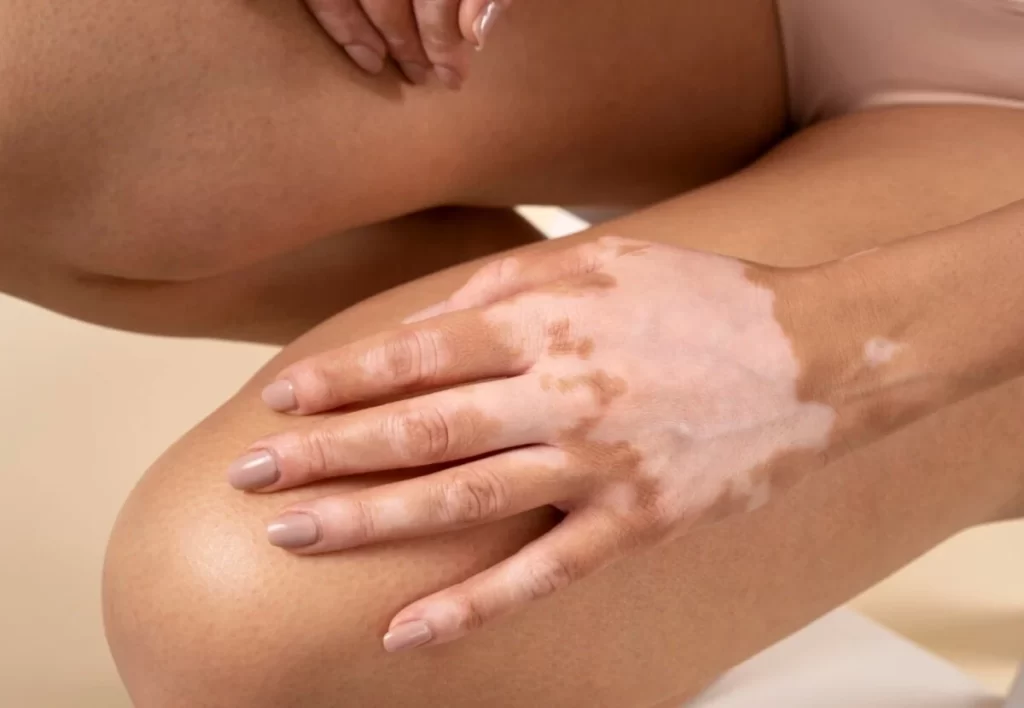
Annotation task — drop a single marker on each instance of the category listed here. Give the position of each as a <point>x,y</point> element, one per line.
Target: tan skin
<point>226,172</point>
<point>201,610</point>
<point>751,394</point>
<point>422,37</point>
<point>761,576</point>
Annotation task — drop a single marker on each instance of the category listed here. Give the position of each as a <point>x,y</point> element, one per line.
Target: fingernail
<point>253,471</point>
<point>366,58</point>
<point>417,73</point>
<point>407,636</point>
<point>485,22</point>
<point>449,77</point>
<point>294,530</point>
<point>280,396</point>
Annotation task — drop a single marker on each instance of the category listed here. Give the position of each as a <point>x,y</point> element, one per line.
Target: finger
<point>584,542</point>
<point>396,23</point>
<point>440,427</point>
<point>347,24</point>
<point>478,17</point>
<point>512,275</point>
<point>462,347</point>
<point>483,491</point>
<point>438,23</point>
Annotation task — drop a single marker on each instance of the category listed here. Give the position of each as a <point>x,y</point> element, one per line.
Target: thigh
<point>189,576</point>
<point>277,299</point>
<point>172,140</point>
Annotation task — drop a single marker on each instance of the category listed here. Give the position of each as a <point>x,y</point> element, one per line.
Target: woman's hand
<point>420,35</point>
<point>641,389</point>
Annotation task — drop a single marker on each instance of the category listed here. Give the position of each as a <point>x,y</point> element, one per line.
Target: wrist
<point>857,327</point>
<point>908,328</point>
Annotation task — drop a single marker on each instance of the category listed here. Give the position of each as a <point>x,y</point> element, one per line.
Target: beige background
<point>87,409</point>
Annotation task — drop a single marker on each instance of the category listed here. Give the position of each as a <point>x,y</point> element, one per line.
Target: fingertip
<point>408,635</point>
<point>294,530</point>
<point>365,58</point>
<point>484,23</point>
<point>254,471</point>
<point>449,77</point>
<point>415,72</point>
<point>280,396</point>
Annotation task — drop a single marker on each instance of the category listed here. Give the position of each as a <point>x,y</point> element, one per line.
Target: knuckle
<point>547,575</point>
<point>401,358</point>
<point>474,496</point>
<point>322,390</point>
<point>470,616</point>
<point>650,519</point>
<point>648,528</point>
<point>316,448</point>
<point>589,258</point>
<point>421,436</point>
<point>363,523</point>
<point>411,358</point>
<point>503,271</point>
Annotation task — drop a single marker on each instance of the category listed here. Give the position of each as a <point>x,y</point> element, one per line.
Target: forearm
<point>928,321</point>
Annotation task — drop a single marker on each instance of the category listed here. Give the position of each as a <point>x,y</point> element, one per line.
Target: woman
<point>206,152</point>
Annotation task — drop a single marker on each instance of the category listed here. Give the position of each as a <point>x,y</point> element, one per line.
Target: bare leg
<point>202,612</point>
<point>278,299</point>
<point>176,141</point>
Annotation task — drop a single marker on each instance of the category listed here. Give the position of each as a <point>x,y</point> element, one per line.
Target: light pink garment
<point>848,55</point>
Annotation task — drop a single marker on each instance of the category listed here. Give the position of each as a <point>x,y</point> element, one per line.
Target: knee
<point>201,612</point>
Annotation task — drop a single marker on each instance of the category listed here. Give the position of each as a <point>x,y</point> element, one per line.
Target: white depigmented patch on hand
<point>710,393</point>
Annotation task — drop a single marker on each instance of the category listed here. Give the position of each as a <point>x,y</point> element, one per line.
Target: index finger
<point>461,347</point>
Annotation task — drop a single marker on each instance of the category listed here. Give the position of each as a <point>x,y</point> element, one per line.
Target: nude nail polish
<point>253,471</point>
<point>407,636</point>
<point>293,530</point>
<point>485,22</point>
<point>280,396</point>
<point>449,77</point>
<point>365,58</point>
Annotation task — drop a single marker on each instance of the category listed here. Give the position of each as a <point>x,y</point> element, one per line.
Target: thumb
<point>512,275</point>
